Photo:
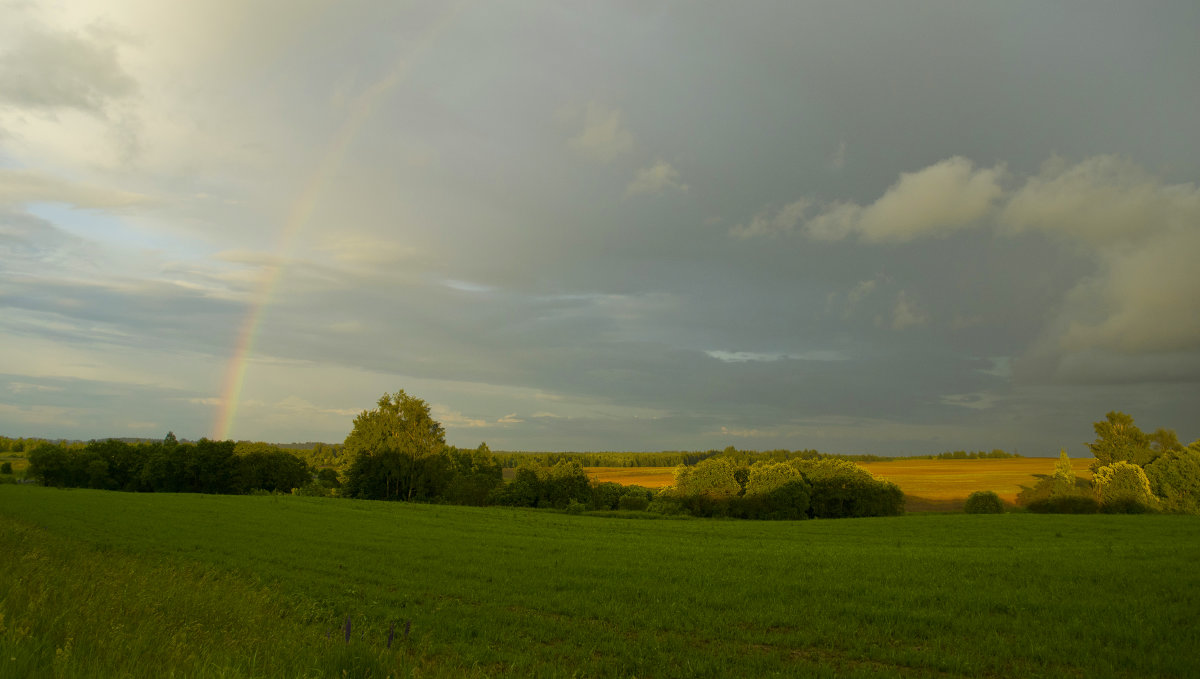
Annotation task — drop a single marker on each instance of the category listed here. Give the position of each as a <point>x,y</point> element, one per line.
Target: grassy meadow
<point>928,485</point>
<point>102,584</point>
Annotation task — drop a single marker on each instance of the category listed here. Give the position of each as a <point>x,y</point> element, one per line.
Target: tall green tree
<point>1118,439</point>
<point>398,451</point>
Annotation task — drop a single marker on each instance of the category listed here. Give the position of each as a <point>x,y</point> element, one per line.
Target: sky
<point>869,227</point>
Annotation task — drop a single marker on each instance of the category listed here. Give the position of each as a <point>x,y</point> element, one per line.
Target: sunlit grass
<point>528,593</point>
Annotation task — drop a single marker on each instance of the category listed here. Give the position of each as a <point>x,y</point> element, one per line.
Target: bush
<point>843,489</point>
<point>575,507</point>
<point>6,468</point>
<point>984,502</point>
<point>1065,504</point>
<point>606,495</point>
<point>1124,486</point>
<point>311,489</point>
<point>635,503</point>
<point>1127,505</point>
<point>1175,479</point>
<point>774,491</point>
<point>666,503</point>
<point>714,479</point>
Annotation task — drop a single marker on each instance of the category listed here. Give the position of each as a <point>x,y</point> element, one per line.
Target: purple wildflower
<point>407,628</point>
<point>391,633</point>
<point>347,629</point>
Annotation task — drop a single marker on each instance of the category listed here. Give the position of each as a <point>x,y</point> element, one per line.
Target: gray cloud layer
<point>852,228</point>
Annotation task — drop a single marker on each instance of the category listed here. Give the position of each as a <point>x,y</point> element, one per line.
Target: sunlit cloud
<point>937,200</point>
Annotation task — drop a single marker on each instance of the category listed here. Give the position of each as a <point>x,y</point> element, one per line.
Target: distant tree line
<point>166,466</point>
<point>513,459</point>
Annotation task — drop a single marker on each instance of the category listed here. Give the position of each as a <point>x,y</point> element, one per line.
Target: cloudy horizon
<point>891,228</point>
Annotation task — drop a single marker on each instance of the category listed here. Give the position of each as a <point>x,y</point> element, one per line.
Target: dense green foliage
<point>1118,439</point>
<point>1175,480</point>
<point>983,502</point>
<point>398,452</point>
<point>150,585</point>
<point>555,487</point>
<point>165,466</point>
<point>1073,503</point>
<point>796,489</point>
<point>1133,473</point>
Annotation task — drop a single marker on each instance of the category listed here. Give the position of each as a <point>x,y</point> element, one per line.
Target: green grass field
<point>105,584</point>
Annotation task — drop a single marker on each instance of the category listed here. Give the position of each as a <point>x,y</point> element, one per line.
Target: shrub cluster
<point>1075,503</point>
<point>1134,472</point>
<point>566,485</point>
<point>795,489</point>
<point>984,502</point>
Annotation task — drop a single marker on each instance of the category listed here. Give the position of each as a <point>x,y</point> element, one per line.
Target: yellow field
<point>943,485</point>
<point>929,485</point>
<point>649,477</point>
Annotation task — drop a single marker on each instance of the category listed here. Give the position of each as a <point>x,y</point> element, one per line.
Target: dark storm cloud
<point>867,226</point>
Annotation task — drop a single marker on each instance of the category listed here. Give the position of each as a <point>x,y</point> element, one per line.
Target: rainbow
<point>360,111</point>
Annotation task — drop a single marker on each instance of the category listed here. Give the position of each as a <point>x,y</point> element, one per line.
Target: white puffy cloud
<point>604,136</point>
<point>764,224</point>
<point>937,200</point>
<point>655,179</point>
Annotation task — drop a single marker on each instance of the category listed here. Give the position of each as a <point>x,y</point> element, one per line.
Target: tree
<point>53,466</point>
<point>564,482</point>
<point>474,474</point>
<point>1175,479</point>
<point>1123,487</point>
<point>714,478</point>
<point>398,451</point>
<point>1118,439</point>
<point>1064,474</point>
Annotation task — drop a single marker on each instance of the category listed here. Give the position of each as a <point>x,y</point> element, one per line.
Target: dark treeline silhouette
<point>674,458</point>
<point>166,466</point>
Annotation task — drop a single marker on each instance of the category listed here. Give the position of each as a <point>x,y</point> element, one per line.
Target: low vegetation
<point>984,502</point>
<point>1132,473</point>
<point>103,584</point>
